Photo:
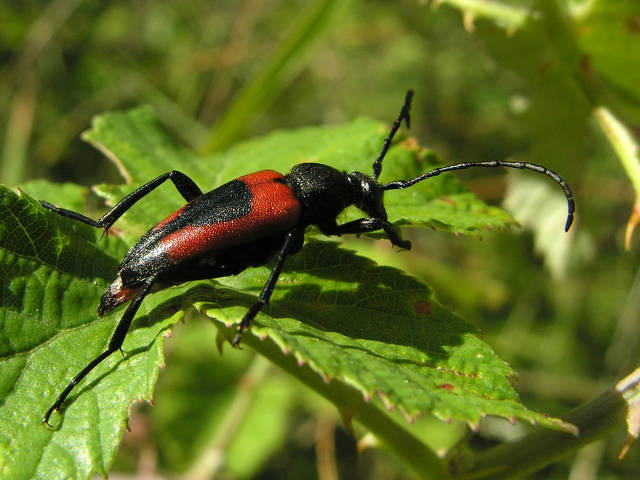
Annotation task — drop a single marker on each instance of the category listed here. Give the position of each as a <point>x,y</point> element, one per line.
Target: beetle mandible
<point>247,222</point>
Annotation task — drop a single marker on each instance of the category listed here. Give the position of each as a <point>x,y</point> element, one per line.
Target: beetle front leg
<point>366,225</point>
<point>185,185</point>
<point>292,244</point>
<point>114,345</point>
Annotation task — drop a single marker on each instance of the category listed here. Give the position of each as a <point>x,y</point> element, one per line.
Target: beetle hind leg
<point>185,186</point>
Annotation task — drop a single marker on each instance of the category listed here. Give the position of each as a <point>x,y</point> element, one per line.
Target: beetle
<point>246,223</point>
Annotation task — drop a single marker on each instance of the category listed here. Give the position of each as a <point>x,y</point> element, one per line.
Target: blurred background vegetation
<point>563,311</point>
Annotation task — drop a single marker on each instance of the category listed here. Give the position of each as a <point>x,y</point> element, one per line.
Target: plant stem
<point>594,419</point>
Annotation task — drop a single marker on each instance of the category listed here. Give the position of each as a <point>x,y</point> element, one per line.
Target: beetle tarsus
<point>235,343</point>
<point>45,419</point>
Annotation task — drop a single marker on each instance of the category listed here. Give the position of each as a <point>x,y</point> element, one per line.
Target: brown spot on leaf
<point>447,386</point>
<point>422,307</point>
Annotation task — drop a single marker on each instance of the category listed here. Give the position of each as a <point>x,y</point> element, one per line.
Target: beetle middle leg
<point>114,344</point>
<point>185,185</point>
<point>292,244</point>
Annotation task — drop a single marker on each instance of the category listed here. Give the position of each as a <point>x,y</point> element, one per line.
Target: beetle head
<point>367,194</point>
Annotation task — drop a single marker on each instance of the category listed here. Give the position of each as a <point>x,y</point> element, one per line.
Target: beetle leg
<point>115,344</point>
<point>365,225</point>
<point>291,245</point>
<point>70,214</point>
<point>187,188</point>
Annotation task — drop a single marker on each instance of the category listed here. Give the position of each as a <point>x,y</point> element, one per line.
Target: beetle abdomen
<point>114,296</point>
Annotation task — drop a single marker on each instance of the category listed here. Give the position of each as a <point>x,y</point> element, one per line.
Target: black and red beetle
<point>245,223</point>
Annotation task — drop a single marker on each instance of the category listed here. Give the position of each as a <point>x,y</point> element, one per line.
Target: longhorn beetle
<point>245,223</point>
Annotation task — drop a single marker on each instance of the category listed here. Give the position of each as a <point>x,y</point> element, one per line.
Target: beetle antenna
<point>404,114</point>
<point>399,184</point>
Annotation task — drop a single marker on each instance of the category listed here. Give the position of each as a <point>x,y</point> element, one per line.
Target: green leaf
<point>508,16</point>
<point>360,327</point>
<point>378,330</point>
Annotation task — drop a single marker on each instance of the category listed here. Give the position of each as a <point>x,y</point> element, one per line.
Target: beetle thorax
<point>325,192</point>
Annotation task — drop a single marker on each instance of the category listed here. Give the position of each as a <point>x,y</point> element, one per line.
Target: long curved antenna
<point>497,163</point>
<point>404,114</point>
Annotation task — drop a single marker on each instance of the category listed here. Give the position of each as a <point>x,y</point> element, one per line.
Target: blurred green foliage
<point>523,84</point>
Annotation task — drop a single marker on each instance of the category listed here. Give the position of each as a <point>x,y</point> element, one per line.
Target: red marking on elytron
<point>124,295</point>
<point>274,209</point>
<point>169,218</point>
<point>263,176</point>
